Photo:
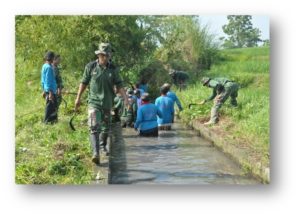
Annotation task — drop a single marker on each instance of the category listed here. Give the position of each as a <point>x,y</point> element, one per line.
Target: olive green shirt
<point>101,83</point>
<point>216,84</point>
<point>58,78</point>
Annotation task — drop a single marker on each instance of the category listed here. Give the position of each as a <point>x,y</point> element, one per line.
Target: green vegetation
<point>145,47</point>
<point>249,123</point>
<point>240,32</point>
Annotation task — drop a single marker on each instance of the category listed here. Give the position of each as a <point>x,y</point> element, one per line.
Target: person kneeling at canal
<point>146,122</point>
<point>166,106</point>
<point>222,89</point>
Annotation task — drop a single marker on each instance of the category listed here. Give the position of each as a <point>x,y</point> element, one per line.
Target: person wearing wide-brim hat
<point>102,76</point>
<point>222,89</point>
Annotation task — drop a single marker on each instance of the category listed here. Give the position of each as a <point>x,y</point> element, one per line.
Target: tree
<point>240,32</point>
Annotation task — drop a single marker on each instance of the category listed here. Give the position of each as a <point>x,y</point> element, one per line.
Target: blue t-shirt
<point>48,80</point>
<point>173,96</point>
<point>147,117</point>
<point>166,106</point>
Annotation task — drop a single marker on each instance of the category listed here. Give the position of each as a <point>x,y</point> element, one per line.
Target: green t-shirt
<point>101,83</point>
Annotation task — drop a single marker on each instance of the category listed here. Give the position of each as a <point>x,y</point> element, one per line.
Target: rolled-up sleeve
<point>86,76</point>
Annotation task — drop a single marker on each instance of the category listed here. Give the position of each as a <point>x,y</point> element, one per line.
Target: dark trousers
<point>50,110</point>
<point>149,133</point>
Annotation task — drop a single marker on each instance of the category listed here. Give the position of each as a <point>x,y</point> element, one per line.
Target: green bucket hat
<point>205,80</point>
<point>104,48</point>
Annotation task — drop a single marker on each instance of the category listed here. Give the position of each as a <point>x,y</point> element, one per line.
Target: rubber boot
<point>94,138</point>
<point>103,142</point>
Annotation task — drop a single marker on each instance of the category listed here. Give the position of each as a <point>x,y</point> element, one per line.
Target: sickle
<point>71,122</point>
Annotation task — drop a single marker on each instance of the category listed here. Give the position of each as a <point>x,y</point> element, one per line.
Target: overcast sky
<point>216,22</point>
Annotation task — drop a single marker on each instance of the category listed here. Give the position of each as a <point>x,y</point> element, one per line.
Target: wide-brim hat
<point>205,80</point>
<point>104,48</point>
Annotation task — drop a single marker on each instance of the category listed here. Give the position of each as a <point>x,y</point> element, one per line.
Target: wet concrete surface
<point>178,156</point>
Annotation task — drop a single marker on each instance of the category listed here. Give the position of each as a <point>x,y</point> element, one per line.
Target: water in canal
<point>178,156</point>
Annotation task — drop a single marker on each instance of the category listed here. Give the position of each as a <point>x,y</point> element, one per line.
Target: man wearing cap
<point>101,76</point>
<point>49,87</point>
<point>173,96</point>
<point>222,89</point>
<point>146,121</point>
<point>179,78</point>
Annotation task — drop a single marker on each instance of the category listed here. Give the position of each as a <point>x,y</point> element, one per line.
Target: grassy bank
<point>48,154</point>
<point>248,125</point>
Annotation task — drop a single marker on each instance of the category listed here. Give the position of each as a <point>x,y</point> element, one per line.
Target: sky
<point>216,22</point>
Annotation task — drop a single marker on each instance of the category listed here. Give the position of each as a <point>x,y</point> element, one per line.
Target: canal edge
<point>255,169</point>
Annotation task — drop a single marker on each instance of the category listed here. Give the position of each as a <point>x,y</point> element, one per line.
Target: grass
<point>48,154</point>
<point>250,121</point>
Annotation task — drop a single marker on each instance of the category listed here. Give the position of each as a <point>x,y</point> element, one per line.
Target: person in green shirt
<point>179,78</point>
<point>222,89</point>
<point>59,82</point>
<point>101,76</point>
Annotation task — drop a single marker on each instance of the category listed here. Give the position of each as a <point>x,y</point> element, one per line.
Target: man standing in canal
<point>174,97</point>
<point>101,75</point>
<point>222,89</point>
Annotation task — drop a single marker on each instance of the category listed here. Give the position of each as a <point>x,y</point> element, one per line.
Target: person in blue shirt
<point>49,87</point>
<point>146,122</point>
<point>173,96</point>
<point>166,106</point>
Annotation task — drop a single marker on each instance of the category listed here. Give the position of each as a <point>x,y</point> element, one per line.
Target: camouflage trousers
<point>230,90</point>
<point>98,120</point>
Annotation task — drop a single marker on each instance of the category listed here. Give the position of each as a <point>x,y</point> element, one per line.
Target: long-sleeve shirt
<point>48,81</point>
<point>166,106</point>
<point>58,78</point>
<point>147,117</point>
<point>175,99</point>
<point>216,84</point>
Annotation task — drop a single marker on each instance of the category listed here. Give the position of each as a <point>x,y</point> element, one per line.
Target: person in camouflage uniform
<point>222,89</point>
<point>59,82</point>
<point>129,113</point>
<point>179,78</point>
<point>101,76</point>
